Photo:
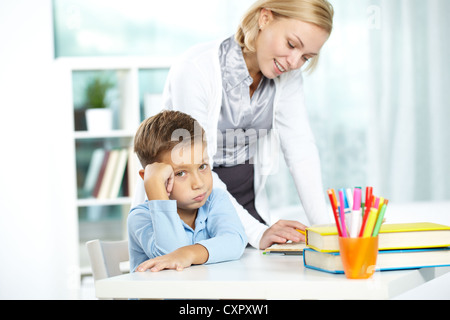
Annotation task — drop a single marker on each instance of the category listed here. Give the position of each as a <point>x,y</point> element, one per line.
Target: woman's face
<point>286,44</point>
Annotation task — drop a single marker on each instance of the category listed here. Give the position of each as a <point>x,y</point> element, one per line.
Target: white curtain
<point>379,102</point>
<point>410,103</point>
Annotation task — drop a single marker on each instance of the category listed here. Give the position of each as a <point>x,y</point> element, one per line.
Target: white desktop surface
<point>260,276</point>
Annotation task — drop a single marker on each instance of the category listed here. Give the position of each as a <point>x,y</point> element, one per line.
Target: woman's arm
<point>300,150</point>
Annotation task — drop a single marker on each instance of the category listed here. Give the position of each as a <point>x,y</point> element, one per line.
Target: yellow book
<point>391,237</point>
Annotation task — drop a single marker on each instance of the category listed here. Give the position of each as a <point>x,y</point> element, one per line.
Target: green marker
<point>376,230</point>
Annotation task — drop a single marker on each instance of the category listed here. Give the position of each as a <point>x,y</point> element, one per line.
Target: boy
<point>185,221</point>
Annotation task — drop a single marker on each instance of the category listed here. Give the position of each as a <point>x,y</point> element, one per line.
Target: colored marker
<point>333,202</point>
<point>371,220</point>
<point>380,218</point>
<point>367,204</point>
<point>356,213</point>
<point>369,192</point>
<point>380,205</point>
<point>347,209</point>
<point>349,197</point>
<point>342,214</point>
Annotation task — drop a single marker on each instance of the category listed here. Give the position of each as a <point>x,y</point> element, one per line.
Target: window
<point>341,103</point>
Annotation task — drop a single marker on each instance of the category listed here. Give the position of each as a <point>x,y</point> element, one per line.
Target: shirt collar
<point>200,220</point>
<point>235,69</point>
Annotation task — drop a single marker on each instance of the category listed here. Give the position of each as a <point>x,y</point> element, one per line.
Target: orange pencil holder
<point>359,256</point>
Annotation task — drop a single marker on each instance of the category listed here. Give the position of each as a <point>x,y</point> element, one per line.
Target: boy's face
<point>193,179</point>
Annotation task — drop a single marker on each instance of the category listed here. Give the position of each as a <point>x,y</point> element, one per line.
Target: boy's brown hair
<point>163,132</point>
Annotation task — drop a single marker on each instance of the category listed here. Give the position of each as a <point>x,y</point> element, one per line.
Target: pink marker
<point>356,218</point>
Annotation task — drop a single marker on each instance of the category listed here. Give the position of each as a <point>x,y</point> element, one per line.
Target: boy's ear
<point>141,173</point>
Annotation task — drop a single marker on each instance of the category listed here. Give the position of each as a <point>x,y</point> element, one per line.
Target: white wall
<point>38,247</point>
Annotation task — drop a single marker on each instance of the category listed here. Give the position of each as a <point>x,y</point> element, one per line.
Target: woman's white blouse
<point>242,118</point>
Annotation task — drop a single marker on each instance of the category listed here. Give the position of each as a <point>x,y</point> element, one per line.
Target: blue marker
<point>347,210</point>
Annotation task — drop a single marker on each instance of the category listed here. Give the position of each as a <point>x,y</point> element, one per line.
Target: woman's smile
<point>278,67</point>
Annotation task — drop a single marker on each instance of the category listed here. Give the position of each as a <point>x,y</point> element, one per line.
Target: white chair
<point>106,257</point>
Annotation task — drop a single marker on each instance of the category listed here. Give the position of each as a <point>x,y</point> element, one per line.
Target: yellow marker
<point>380,205</point>
<point>302,232</point>
<point>372,219</point>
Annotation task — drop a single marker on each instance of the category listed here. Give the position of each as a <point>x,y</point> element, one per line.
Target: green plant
<point>96,92</point>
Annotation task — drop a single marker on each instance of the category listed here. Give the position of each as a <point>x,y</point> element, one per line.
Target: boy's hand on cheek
<point>158,181</point>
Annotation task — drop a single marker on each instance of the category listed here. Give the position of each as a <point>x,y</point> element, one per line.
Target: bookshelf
<point>137,81</point>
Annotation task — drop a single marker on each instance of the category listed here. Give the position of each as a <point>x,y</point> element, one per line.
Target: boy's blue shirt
<point>155,229</point>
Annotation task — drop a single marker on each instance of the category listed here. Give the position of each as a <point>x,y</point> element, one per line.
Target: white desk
<point>258,276</point>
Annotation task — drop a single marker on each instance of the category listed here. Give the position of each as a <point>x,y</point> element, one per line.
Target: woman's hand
<point>281,232</point>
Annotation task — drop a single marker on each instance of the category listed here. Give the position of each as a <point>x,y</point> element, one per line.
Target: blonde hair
<point>317,12</point>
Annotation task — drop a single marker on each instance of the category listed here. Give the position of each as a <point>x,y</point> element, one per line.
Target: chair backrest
<point>106,256</point>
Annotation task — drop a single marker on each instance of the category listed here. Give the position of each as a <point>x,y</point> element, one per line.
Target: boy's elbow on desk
<point>221,251</point>
<point>237,251</point>
<point>239,248</point>
<point>241,244</point>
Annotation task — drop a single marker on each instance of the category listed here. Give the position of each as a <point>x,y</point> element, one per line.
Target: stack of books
<point>401,246</point>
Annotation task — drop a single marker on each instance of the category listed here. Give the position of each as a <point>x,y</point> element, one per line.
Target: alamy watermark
<point>374,15</point>
<point>191,148</point>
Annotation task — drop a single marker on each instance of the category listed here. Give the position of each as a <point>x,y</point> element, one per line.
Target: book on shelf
<point>133,167</point>
<point>111,173</point>
<point>391,237</point>
<point>387,259</point>
<point>101,173</point>
<point>93,171</point>
<point>108,177</point>
<point>119,173</point>
<point>291,248</point>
